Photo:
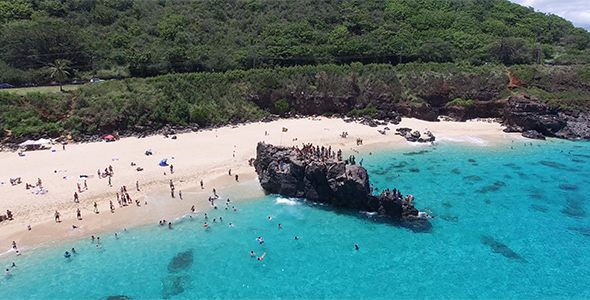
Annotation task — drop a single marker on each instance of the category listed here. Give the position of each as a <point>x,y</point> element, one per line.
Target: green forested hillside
<point>141,38</point>
<point>423,90</point>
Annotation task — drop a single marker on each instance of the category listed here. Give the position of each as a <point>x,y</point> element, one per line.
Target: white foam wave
<point>286,201</point>
<point>463,139</point>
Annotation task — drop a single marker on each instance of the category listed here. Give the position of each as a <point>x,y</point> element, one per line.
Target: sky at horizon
<point>576,11</point>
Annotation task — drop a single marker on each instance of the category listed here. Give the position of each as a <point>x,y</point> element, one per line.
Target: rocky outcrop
<point>533,134</point>
<point>415,136</point>
<point>298,173</point>
<point>531,114</point>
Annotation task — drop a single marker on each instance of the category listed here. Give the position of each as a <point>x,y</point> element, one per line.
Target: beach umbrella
<point>27,143</point>
<point>42,142</point>
<point>163,162</point>
<point>109,137</point>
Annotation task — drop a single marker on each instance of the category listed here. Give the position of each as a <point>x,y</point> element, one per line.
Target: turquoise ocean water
<point>509,224</point>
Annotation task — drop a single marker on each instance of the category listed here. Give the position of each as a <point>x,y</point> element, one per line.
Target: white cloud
<point>576,11</point>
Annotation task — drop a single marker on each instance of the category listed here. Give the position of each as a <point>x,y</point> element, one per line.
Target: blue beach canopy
<point>163,162</point>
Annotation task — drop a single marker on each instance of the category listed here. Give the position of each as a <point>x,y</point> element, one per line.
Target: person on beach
<point>95,208</point>
<point>85,185</point>
<point>76,200</point>
<point>78,214</point>
<point>74,227</point>
<point>171,169</point>
<point>215,192</point>
<point>110,184</point>
<point>262,256</point>
<point>229,172</point>
<point>193,209</point>
<point>180,194</point>
<point>79,188</point>
<point>112,206</point>
<point>57,217</point>
<point>202,187</point>
<point>137,185</point>
<point>237,178</point>
<point>14,245</point>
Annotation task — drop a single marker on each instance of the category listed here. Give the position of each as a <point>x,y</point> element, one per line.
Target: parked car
<point>78,82</point>
<point>96,80</point>
<point>53,83</point>
<point>6,86</point>
<point>29,84</point>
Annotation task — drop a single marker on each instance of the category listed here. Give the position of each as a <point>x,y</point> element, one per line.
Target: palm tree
<point>59,71</point>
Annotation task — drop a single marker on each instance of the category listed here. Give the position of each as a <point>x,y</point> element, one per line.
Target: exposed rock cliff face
<point>531,114</point>
<point>289,172</point>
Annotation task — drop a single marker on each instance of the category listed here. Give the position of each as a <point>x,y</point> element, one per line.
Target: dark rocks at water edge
<point>533,134</point>
<point>288,172</point>
<point>527,113</point>
<point>415,136</point>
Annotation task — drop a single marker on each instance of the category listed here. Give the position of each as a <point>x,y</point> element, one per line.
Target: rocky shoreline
<point>320,174</point>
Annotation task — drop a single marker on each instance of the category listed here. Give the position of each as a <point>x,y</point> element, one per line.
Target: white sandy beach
<point>206,155</point>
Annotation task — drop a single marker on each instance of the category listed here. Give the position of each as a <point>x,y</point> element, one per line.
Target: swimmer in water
<point>97,246</point>
<point>252,254</point>
<point>260,240</point>
<point>270,218</point>
<point>73,250</point>
<point>280,227</point>
<point>232,225</point>
<point>206,225</point>
<point>356,247</point>
<point>262,256</point>
<point>297,238</point>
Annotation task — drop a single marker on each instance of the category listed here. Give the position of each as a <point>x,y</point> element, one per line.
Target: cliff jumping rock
<point>326,178</point>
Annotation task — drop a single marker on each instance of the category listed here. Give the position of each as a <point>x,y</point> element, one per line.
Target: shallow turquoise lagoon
<point>510,223</point>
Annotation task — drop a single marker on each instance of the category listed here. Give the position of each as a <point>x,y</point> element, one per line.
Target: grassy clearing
<point>41,89</point>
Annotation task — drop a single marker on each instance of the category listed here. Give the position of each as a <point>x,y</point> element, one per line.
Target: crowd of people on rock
<point>309,151</point>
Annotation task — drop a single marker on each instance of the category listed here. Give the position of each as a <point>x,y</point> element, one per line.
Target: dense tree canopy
<point>151,37</point>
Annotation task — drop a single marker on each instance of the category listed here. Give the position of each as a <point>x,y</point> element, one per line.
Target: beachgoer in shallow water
<point>270,218</point>
<point>280,227</point>
<point>262,256</point>
<point>73,250</point>
<point>356,247</point>
<point>296,237</point>
<point>232,225</point>
<point>252,254</point>
<point>260,240</point>
<point>170,225</point>
<point>206,216</point>
<point>206,225</point>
